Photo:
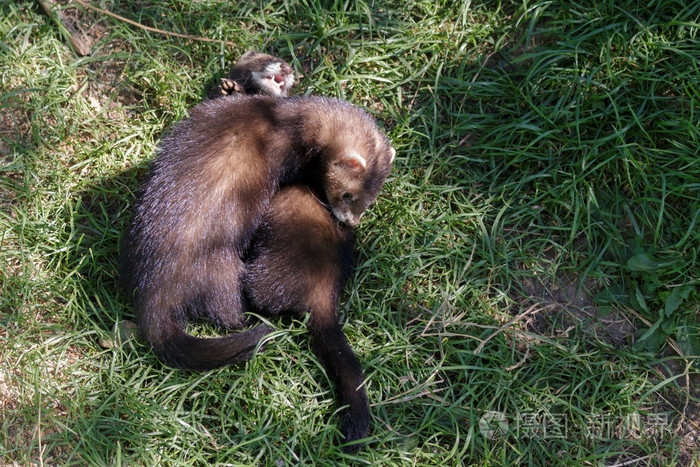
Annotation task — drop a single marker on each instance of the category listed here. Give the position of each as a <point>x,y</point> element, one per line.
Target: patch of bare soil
<point>569,303</point>
<point>688,432</point>
<point>565,303</point>
<point>15,122</point>
<point>108,90</point>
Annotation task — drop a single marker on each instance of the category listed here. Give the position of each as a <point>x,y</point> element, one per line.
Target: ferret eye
<point>347,197</point>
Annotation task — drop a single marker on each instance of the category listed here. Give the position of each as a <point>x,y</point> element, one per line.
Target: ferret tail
<point>179,349</point>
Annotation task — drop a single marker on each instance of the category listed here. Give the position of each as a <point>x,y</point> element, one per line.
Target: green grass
<point>534,252</point>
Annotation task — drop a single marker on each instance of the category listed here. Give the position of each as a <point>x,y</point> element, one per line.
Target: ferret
<point>257,73</point>
<point>211,191</point>
<point>299,261</point>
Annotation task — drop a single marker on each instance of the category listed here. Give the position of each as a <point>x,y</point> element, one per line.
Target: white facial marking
<point>267,82</point>
<point>273,80</point>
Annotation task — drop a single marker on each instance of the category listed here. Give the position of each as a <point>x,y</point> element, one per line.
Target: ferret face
<point>351,185</point>
<point>270,75</point>
<point>276,79</point>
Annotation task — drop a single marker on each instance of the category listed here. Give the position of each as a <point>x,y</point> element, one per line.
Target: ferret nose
<point>354,220</point>
<point>286,69</point>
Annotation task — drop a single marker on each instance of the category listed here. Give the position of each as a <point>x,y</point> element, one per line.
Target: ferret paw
<point>229,86</point>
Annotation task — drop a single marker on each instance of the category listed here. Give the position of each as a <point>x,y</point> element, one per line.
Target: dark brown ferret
<point>208,191</point>
<point>204,197</point>
<point>299,261</point>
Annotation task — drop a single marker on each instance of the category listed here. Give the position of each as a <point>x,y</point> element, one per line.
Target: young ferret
<point>213,188</point>
<point>257,73</point>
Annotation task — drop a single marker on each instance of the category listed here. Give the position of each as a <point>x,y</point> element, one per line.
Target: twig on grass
<point>151,29</point>
<point>78,40</point>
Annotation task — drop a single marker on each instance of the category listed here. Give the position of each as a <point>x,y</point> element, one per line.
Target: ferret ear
<point>393,154</point>
<point>353,161</point>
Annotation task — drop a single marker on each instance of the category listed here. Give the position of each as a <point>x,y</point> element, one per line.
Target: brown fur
<point>300,256</point>
<point>299,261</point>
<point>204,198</point>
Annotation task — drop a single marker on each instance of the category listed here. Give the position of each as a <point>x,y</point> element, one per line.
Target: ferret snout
<point>348,218</point>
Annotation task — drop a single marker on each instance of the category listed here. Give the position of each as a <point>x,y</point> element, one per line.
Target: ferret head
<point>355,156</point>
<point>268,75</point>
<point>353,180</point>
